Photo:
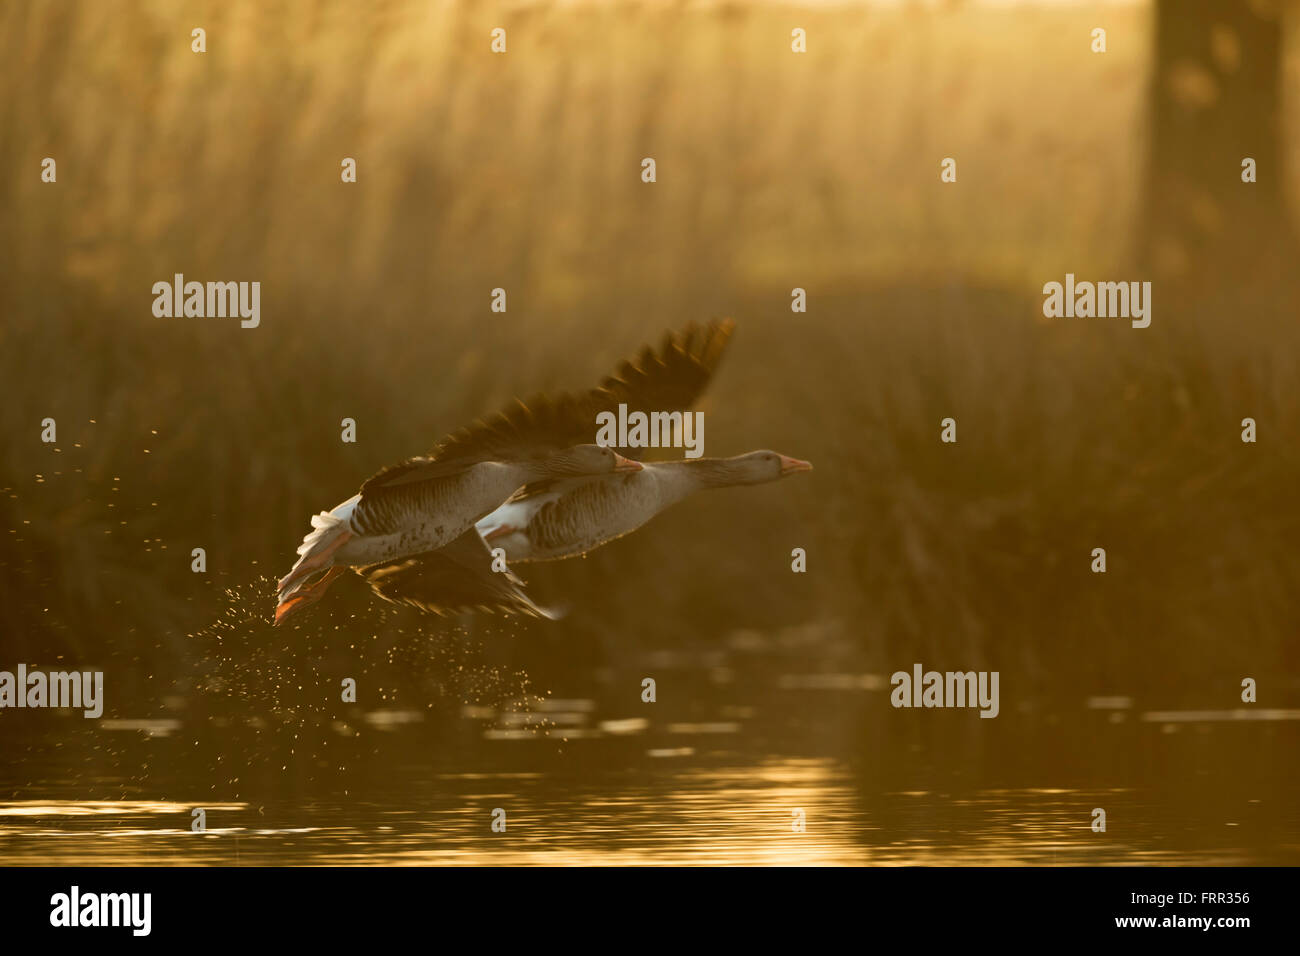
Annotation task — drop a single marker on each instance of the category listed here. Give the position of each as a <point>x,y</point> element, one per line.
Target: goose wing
<point>458,577</point>
<point>670,378</point>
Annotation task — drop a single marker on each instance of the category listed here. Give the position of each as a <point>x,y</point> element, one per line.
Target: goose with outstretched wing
<point>395,531</point>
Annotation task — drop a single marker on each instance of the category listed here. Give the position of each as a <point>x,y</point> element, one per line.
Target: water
<point>725,784</point>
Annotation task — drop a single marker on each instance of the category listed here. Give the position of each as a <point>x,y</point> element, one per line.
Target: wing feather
<point>669,379</point>
<point>458,577</point>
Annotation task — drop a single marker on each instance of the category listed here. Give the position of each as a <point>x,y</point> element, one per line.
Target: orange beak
<point>625,464</point>
<point>790,466</point>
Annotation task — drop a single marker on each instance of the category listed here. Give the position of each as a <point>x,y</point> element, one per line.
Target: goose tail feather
<point>316,553</point>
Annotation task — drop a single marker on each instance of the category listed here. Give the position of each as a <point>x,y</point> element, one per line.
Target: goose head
<point>586,460</point>
<point>759,467</point>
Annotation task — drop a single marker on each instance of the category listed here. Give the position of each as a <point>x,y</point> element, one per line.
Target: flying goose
<point>410,530</point>
<point>562,518</point>
<point>419,507</point>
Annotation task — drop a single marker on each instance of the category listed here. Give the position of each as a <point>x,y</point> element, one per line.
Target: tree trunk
<point>1216,101</point>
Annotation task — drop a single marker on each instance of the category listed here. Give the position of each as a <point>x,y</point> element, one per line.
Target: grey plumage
<point>395,529</point>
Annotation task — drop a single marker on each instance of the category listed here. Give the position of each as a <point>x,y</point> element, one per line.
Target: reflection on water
<point>1201,716</point>
<point>726,786</point>
<point>85,808</point>
<point>740,815</point>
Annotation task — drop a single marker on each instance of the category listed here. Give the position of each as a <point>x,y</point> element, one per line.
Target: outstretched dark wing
<point>671,378</point>
<point>458,577</point>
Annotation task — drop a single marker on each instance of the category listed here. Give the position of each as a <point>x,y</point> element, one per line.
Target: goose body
<point>412,515</point>
<point>392,523</point>
<point>417,508</point>
<point>568,518</point>
<point>573,520</point>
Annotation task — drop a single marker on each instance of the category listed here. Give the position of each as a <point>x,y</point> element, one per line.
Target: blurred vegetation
<point>522,172</point>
